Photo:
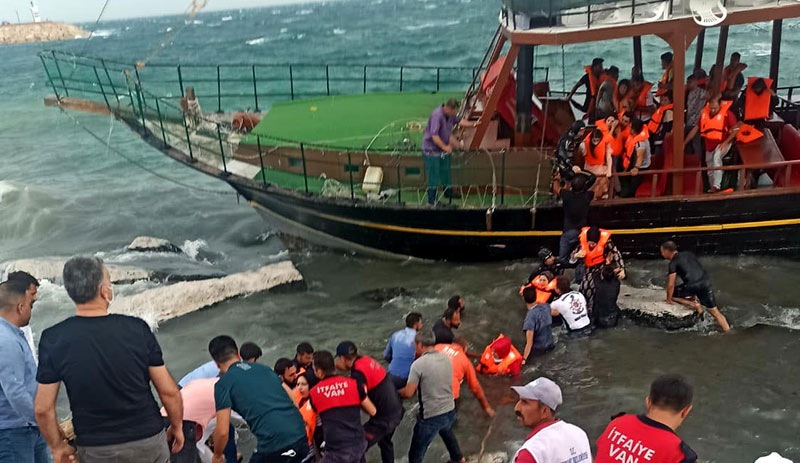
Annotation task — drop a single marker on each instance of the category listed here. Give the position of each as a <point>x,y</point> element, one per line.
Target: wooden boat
<point>319,166</point>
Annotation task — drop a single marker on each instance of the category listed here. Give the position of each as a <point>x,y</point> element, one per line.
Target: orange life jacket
<point>601,124</point>
<point>747,133</point>
<point>664,80</point>
<point>713,128</point>
<point>597,255</point>
<point>757,106</point>
<point>655,120</point>
<point>630,147</point>
<point>510,364</point>
<point>309,416</point>
<point>596,156</point>
<point>594,82</point>
<point>543,291</point>
<point>641,99</point>
<point>617,143</point>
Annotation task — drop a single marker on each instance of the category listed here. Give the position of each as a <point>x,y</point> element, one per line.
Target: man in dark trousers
<point>575,203</point>
<point>696,290</point>
<point>372,377</point>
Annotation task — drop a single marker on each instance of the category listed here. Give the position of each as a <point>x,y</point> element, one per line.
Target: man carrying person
<point>550,439</point>
<point>255,392</point>
<point>432,379</point>
<point>575,203</point>
<point>107,363</point>
<point>371,376</point>
<point>437,144</point>
<point>400,350</point>
<point>20,439</point>
<point>668,405</point>
<point>571,306</point>
<point>339,401</point>
<point>696,290</point>
<point>464,369</point>
<point>537,326</point>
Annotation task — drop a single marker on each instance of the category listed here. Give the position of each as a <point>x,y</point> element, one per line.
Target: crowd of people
<point>309,407</point>
<point>628,120</point>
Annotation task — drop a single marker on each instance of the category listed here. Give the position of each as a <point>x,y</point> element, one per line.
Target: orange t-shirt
<point>462,369</point>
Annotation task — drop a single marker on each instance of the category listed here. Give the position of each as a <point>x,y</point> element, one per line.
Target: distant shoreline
<point>39,32</point>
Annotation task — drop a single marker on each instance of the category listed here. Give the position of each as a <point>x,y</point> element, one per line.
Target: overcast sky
<point>88,10</point>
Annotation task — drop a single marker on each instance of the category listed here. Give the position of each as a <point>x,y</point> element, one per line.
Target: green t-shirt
<point>255,392</point>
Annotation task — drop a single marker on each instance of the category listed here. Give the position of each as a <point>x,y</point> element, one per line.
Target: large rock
<point>51,269</point>
<point>646,306</point>
<point>161,304</point>
<point>39,32</point>
<point>150,244</point>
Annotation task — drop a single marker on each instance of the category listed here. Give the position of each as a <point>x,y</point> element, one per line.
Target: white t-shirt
<point>572,307</point>
<point>558,442</point>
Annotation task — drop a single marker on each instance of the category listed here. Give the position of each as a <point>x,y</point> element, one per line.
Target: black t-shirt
<point>606,293</point>
<point>385,398</point>
<point>442,333</point>
<point>688,268</point>
<point>576,208</point>
<point>104,363</point>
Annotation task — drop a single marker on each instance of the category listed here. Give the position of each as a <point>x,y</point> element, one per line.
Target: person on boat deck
<point>400,350</point>
<point>437,144</point>
<point>591,80</point>
<point>642,98</point>
<point>607,94</point>
<point>550,439</point>
<point>537,326</point>
<point>665,84</point>
<point>78,352</point>
<point>696,99</point>
<point>696,289</point>
<point>622,100</point>
<point>668,404</point>
<point>548,263</point>
<point>756,103</point>
<point>464,369</point>
<point>605,312</point>
<point>732,80</point>
<point>444,326</point>
<point>596,250</point>
<point>661,122</point>
<point>302,361</point>
<point>596,151</point>
<point>286,371</point>
<point>635,159</point>
<point>571,306</point>
<point>564,160</point>
<point>575,203</point>
<point>718,128</point>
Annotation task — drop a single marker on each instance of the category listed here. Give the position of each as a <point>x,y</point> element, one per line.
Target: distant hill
<point>39,32</point>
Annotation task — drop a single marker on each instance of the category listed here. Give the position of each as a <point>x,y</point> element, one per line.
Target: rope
<point>195,6</point>
<point>91,33</point>
<point>119,153</point>
<point>486,438</point>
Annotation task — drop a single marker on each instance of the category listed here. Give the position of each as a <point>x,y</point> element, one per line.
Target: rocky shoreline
<point>39,32</point>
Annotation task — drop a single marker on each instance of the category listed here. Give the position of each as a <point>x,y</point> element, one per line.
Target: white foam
<point>304,12</point>
<point>430,24</point>
<point>284,30</point>
<point>193,247</point>
<point>227,18</point>
<point>5,188</point>
<point>258,41</point>
<point>339,31</point>
<point>104,33</point>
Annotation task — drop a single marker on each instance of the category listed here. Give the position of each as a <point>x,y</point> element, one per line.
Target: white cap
<point>773,458</point>
<point>542,389</point>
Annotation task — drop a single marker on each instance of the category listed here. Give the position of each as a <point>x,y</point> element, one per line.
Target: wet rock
<point>161,304</point>
<point>150,244</point>
<point>488,457</point>
<point>39,32</point>
<point>51,269</point>
<point>646,306</point>
<point>382,295</point>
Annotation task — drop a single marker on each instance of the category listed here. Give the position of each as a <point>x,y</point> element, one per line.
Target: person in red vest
<point>651,437</point>
<point>718,128</point>
<point>339,401</point>
<point>369,374</point>
<point>597,251</point>
<point>591,80</point>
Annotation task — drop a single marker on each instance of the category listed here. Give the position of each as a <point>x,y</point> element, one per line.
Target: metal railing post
<point>60,75</point>
<point>139,99</point>
<point>161,122</point>
<point>222,150</point>
<point>305,172</point>
<point>350,171</point>
<point>139,85</point>
<point>327,80</point>
<point>102,90</point>
<point>365,79</point>
<point>438,80</point>
<point>111,82</point>
<point>399,184</point>
<point>261,160</point>
<point>255,87</point>
<point>49,78</point>
<point>180,80</point>
<point>291,82</point>
<point>188,138</point>
<point>219,91</point>
<point>401,79</point>
<point>503,178</point>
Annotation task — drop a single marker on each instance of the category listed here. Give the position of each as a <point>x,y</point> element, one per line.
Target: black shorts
<point>704,294</point>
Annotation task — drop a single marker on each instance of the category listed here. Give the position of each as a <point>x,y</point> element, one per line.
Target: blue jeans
<point>23,445</point>
<point>424,432</point>
<point>437,170</point>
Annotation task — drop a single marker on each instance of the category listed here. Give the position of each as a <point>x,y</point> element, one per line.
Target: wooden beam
<point>637,52</point>
<point>775,53</point>
<point>722,47</point>
<point>698,52</point>
<point>491,105</point>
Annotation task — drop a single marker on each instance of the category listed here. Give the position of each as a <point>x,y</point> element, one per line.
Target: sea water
<point>64,193</point>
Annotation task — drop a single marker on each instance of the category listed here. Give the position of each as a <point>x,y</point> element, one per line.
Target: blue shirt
<point>207,370</point>
<point>438,124</point>
<point>17,378</point>
<point>400,352</point>
<point>539,320</point>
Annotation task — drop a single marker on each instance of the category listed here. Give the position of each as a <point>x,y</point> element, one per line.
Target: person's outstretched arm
<point>172,401</point>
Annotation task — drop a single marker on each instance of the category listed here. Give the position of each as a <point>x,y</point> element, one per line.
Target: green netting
<point>394,121</point>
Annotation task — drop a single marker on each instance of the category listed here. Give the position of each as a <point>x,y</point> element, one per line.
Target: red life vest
<point>335,392</point>
<point>757,106</point>
<point>597,255</point>
<point>511,363</point>
<point>713,128</point>
<point>655,120</point>
<point>629,432</point>
<point>594,82</point>
<point>630,146</point>
<point>371,369</point>
<point>595,156</point>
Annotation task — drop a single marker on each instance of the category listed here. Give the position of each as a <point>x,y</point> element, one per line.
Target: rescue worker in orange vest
<point>607,97</point>
<point>642,97</point>
<point>635,159</point>
<point>596,152</point>
<point>661,122</point>
<point>718,128</point>
<point>500,358</point>
<point>668,404</point>
<point>370,375</point>
<point>665,84</point>
<point>591,80</point>
<point>596,250</point>
<point>755,106</point>
<point>732,80</point>
<point>463,369</point>
<point>537,326</point>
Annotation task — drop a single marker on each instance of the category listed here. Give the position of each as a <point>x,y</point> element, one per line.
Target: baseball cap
<point>347,348</point>
<point>542,389</point>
